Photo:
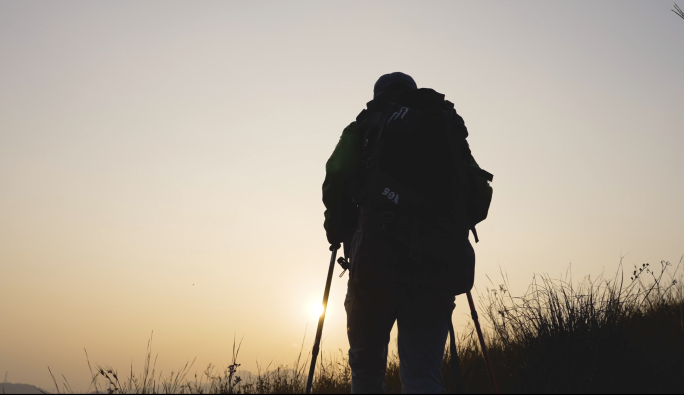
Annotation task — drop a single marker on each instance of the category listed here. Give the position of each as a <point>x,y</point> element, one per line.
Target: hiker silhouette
<point>402,192</point>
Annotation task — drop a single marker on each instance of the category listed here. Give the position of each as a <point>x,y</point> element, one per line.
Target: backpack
<point>419,190</point>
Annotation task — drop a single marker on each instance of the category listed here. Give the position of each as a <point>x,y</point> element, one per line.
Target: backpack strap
<point>374,157</point>
<point>362,116</point>
<point>357,189</point>
<point>456,138</point>
<point>482,173</point>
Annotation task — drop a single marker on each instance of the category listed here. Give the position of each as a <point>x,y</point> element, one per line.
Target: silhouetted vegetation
<point>678,11</point>
<point>598,336</point>
<point>595,336</point>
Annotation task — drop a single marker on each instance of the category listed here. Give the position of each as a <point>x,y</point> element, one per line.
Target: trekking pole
<point>473,314</point>
<point>319,331</point>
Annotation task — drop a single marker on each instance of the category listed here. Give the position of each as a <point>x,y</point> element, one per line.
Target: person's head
<point>393,81</point>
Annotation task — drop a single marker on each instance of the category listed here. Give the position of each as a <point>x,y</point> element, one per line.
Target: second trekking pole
<point>321,319</point>
<point>473,313</point>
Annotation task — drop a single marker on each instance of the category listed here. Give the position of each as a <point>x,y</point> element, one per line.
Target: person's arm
<point>338,171</point>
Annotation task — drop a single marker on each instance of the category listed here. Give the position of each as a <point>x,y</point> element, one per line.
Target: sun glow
<point>316,309</point>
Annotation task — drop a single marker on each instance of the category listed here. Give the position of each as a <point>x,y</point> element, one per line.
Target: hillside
<point>12,388</point>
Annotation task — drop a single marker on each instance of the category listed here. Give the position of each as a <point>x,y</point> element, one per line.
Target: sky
<point>161,162</point>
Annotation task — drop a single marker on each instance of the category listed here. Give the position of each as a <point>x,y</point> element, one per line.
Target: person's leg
<point>370,316</point>
<point>423,323</point>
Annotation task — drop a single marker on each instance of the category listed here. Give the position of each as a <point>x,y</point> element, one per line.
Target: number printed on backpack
<point>393,196</point>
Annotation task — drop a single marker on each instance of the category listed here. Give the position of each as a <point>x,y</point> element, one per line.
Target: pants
<point>423,316</point>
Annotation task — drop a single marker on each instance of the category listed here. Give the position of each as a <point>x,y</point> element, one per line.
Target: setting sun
<point>316,309</point>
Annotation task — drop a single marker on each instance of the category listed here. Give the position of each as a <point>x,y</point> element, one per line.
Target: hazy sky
<point>161,162</point>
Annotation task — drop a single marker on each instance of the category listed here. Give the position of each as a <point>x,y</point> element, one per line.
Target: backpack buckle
<point>369,163</point>
<point>344,263</point>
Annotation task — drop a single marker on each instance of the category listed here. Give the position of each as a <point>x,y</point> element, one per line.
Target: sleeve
<point>339,169</point>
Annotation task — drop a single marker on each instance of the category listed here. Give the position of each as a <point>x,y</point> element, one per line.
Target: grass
<point>602,335</point>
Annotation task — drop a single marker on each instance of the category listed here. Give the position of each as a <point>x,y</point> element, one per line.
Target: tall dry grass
<point>602,335</point>
<point>598,335</point>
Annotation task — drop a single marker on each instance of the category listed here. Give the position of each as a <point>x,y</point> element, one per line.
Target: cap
<point>391,79</point>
